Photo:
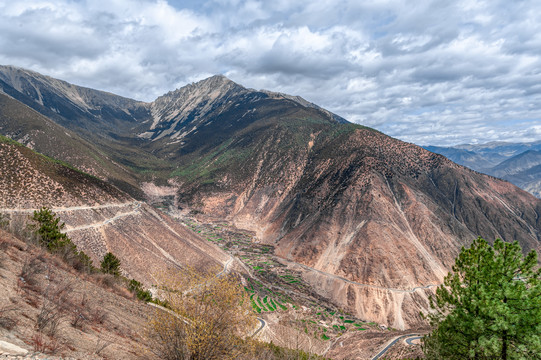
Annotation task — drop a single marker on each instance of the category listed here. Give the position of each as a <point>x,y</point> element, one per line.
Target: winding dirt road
<point>72,208</point>
<point>135,211</point>
<point>409,340</point>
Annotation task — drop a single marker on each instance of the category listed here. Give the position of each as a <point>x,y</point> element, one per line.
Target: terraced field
<point>276,289</point>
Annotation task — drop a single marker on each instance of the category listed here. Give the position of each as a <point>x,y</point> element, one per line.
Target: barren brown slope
<point>94,321</point>
<point>376,218</point>
<point>372,220</point>
<point>99,217</point>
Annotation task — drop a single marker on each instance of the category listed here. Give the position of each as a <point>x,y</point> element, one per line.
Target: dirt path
<point>135,211</point>
<point>72,208</point>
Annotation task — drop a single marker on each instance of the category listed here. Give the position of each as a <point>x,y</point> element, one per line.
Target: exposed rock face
<point>191,105</point>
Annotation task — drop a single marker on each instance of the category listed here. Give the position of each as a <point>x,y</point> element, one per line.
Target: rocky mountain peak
<point>189,104</point>
<point>211,87</point>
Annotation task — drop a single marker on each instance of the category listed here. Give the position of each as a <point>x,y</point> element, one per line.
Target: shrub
<point>48,229</point>
<point>208,318</point>
<point>110,264</point>
<point>137,288</point>
<point>56,303</point>
<point>4,221</point>
<point>6,321</point>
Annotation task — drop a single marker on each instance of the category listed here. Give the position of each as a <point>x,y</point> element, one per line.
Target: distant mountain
<point>523,170</point>
<point>464,157</point>
<point>500,150</point>
<point>515,162</point>
<point>374,222</point>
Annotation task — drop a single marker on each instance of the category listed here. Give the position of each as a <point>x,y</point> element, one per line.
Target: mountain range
<point>373,223</point>
<point>519,163</point>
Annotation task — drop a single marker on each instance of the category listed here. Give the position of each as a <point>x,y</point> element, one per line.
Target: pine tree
<point>489,306</point>
<point>50,235</point>
<point>48,228</point>
<point>110,264</point>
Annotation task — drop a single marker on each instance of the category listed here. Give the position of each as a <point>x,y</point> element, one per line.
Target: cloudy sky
<point>428,72</point>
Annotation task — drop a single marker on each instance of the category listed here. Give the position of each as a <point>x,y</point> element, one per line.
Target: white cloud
<point>426,72</point>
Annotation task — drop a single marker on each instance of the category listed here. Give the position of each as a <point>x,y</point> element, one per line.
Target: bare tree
<point>209,317</point>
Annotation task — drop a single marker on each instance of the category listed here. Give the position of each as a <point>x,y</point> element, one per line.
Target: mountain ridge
<point>98,216</point>
<point>500,159</point>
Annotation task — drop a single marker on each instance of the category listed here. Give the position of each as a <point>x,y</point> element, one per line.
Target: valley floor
<point>296,315</point>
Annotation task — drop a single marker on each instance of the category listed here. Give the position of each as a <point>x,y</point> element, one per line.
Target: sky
<point>427,72</point>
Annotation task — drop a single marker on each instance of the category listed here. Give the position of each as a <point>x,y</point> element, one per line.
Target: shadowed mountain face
<point>370,219</point>
<point>73,106</point>
<point>29,127</point>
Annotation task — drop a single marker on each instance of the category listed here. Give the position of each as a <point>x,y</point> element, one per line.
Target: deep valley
<point>338,232</point>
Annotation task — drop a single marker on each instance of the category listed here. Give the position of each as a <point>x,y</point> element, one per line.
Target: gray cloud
<point>431,72</point>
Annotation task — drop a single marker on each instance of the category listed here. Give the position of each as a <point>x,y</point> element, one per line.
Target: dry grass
<point>7,320</point>
<point>49,307</point>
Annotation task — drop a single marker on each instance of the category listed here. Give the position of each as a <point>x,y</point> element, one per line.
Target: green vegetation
<point>489,306</point>
<point>276,283</point>
<point>48,228</point>
<point>137,288</point>
<point>263,308</point>
<point>6,140</point>
<point>283,307</point>
<point>110,264</point>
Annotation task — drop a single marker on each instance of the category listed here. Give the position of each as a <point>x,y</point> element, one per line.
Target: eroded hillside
<point>99,218</point>
<point>375,222</point>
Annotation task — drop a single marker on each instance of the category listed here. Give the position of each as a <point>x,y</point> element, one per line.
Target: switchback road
<point>410,338</point>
